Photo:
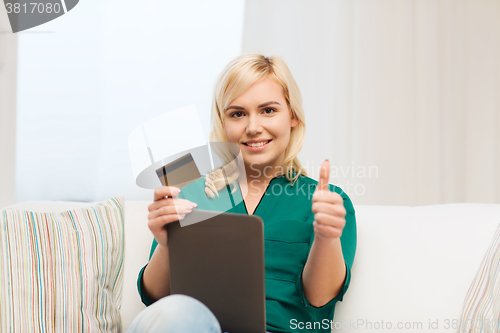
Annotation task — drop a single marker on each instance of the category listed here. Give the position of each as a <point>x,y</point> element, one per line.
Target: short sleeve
<point>140,282</point>
<point>348,241</point>
<point>348,238</point>
<point>338,298</point>
<point>140,287</point>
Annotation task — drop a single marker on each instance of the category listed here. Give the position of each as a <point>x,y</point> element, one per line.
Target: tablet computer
<point>220,262</point>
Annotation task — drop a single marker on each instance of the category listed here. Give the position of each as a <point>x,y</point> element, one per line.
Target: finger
<point>329,220</point>
<point>326,231</point>
<point>170,201</point>
<point>164,191</point>
<point>159,222</point>
<point>324,176</point>
<point>327,196</point>
<point>328,208</point>
<point>170,210</point>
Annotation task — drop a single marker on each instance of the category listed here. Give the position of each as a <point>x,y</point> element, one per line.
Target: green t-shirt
<point>288,236</point>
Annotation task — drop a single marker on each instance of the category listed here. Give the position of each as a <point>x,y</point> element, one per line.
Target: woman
<point>309,226</point>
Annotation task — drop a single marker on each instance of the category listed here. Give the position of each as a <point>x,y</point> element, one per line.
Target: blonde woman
<point>309,226</point>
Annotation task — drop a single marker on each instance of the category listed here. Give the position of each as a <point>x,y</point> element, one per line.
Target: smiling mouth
<point>260,144</point>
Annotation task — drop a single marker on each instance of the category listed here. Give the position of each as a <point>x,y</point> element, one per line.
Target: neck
<point>262,174</point>
<point>258,178</point>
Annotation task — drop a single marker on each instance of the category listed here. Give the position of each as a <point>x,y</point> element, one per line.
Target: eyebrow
<point>235,107</point>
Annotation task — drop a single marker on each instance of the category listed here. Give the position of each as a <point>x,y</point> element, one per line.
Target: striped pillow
<point>481,309</point>
<point>62,272</point>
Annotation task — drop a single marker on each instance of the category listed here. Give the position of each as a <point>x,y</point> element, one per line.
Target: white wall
<point>8,51</point>
<point>88,78</point>
<point>402,96</point>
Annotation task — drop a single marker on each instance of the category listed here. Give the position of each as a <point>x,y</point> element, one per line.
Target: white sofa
<point>413,265</point>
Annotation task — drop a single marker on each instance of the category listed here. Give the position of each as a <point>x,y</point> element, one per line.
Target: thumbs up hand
<point>328,208</point>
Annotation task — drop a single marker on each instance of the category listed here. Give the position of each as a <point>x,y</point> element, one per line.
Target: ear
<point>294,121</point>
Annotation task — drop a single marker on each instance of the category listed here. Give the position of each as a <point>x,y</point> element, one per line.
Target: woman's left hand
<point>328,208</point>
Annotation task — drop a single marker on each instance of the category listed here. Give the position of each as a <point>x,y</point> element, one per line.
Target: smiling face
<point>260,121</point>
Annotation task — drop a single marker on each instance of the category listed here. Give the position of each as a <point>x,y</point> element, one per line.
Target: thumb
<point>324,176</point>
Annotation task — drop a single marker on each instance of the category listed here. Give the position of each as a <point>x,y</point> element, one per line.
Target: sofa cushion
<point>481,308</point>
<point>414,266</point>
<point>138,240</point>
<point>62,271</point>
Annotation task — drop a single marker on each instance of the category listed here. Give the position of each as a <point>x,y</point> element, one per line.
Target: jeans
<point>175,314</point>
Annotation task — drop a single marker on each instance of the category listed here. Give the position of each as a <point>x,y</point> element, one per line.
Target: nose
<point>253,127</point>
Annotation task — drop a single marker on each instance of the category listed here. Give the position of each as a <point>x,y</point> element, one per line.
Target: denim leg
<point>175,314</point>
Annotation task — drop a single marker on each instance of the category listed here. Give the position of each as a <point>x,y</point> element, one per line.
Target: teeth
<point>260,144</point>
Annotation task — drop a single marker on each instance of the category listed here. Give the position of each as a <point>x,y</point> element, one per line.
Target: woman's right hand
<point>165,209</point>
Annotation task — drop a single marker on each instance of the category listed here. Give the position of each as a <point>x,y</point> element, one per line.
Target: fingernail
<point>195,204</point>
<point>182,216</point>
<point>177,190</point>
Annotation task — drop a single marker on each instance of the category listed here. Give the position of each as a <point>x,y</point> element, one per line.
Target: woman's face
<point>261,114</point>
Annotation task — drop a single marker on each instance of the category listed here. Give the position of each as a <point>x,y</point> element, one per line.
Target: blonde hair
<point>235,79</point>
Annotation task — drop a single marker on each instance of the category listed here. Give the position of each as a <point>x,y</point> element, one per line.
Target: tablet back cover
<point>220,262</point>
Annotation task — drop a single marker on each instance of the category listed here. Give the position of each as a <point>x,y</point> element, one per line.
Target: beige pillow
<point>62,272</point>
